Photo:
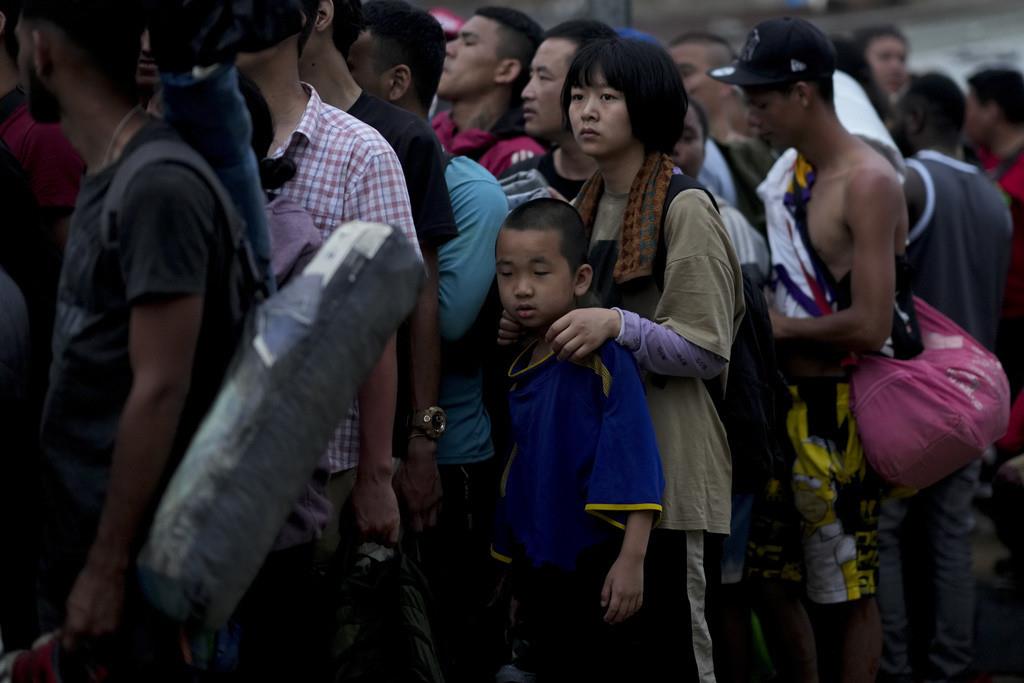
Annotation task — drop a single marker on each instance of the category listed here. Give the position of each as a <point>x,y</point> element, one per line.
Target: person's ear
<point>3,26</point>
<point>324,15</point>
<point>398,81</point>
<point>42,51</point>
<point>802,91</point>
<point>581,283</point>
<point>916,118</point>
<point>507,71</point>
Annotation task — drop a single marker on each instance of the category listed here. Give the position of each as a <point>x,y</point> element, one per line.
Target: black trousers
<point>455,556</point>
<point>562,617</point>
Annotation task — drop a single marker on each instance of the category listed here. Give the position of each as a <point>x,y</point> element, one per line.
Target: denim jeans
<point>208,111</point>
<point>948,520</point>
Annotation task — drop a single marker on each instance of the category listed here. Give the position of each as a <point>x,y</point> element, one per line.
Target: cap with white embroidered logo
<point>778,51</point>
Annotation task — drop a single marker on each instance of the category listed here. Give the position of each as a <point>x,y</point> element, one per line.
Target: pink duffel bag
<point>922,419</point>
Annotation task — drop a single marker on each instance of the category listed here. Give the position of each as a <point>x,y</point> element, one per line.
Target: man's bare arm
<point>914,191</point>
<point>418,479</point>
<point>875,209</point>
<point>373,498</point>
<point>162,344</point>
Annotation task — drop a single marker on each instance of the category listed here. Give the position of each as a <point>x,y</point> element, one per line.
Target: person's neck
<point>413,106</point>
<point>1007,140</point>
<point>328,73</point>
<point>822,141</point>
<point>278,81</point>
<point>541,347</point>
<point>482,112</point>
<point>620,171</point>
<point>949,146</point>
<point>571,162</point>
<point>8,74</point>
<point>99,125</point>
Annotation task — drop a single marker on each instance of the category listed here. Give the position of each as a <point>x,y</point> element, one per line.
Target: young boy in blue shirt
<point>583,483</point>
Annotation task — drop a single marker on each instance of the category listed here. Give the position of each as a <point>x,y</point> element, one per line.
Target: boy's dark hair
<point>347,25</point>
<point>647,78</point>
<point>581,32</point>
<point>557,216</point>
<point>519,37</point>
<point>109,32</point>
<point>1005,87</point>
<point>11,9</point>
<point>867,35</point>
<point>725,53</point>
<point>407,35</point>
<point>943,101</point>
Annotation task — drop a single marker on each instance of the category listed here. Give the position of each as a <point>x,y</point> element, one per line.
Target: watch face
<point>438,422</point>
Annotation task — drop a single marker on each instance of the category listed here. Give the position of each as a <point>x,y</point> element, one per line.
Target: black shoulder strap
<point>10,102</point>
<point>160,151</point>
<point>177,152</point>
<point>679,184</point>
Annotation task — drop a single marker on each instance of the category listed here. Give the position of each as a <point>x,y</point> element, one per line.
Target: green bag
<point>382,630</point>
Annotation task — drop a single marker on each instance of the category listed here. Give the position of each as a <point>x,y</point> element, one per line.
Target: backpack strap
<point>174,152</point>
<point>679,184</point>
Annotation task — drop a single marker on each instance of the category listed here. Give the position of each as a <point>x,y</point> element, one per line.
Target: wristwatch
<point>431,422</point>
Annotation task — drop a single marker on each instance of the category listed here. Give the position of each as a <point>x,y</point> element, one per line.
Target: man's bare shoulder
<point>870,176</point>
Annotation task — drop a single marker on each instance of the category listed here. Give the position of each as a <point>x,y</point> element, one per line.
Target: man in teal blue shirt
<point>399,58</point>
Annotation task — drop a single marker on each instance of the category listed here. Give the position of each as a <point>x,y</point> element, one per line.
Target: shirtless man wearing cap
<point>846,201</point>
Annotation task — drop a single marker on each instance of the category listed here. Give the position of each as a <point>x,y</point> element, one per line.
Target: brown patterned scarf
<point>641,222</point>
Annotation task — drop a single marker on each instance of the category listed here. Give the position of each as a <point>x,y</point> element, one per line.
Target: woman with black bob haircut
<point>670,289</point>
<point>648,80</point>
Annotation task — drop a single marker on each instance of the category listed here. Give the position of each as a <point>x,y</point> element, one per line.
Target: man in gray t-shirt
<point>959,246</point>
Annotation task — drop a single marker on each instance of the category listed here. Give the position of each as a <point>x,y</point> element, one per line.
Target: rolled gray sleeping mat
<point>305,352</point>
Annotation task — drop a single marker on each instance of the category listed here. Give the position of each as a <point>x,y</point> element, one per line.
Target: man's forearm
<point>846,330</point>
<point>141,454</point>
<point>425,339</point>
<point>377,398</point>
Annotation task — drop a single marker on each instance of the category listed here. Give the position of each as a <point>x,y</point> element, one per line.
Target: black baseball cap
<point>777,51</point>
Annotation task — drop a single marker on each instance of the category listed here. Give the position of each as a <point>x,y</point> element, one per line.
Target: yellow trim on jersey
<point>598,510</point>
<point>594,362</point>
<point>499,557</point>
<point>508,468</point>
<point>512,372</point>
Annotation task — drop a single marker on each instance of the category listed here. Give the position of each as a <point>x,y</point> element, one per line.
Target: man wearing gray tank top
<point>959,247</point>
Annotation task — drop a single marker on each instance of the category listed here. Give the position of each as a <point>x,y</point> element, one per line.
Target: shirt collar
<point>309,124</point>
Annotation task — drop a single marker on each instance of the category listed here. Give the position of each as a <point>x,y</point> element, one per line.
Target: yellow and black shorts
<point>819,525</point>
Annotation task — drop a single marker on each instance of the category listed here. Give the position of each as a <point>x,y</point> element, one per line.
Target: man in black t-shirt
<point>143,335</point>
<point>323,65</point>
<point>566,167</point>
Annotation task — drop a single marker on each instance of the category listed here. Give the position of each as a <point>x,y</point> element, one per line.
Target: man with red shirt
<point>994,122</point>
<point>52,166</point>
<point>485,70</point>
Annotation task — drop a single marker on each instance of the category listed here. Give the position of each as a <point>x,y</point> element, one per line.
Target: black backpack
<point>249,287</point>
<point>756,399</point>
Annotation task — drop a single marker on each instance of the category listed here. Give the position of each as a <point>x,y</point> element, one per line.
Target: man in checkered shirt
<point>345,171</point>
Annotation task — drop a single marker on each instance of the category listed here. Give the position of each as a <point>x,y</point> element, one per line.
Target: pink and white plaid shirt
<point>345,171</point>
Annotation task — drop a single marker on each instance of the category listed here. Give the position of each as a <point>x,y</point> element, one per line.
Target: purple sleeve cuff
<point>662,351</point>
